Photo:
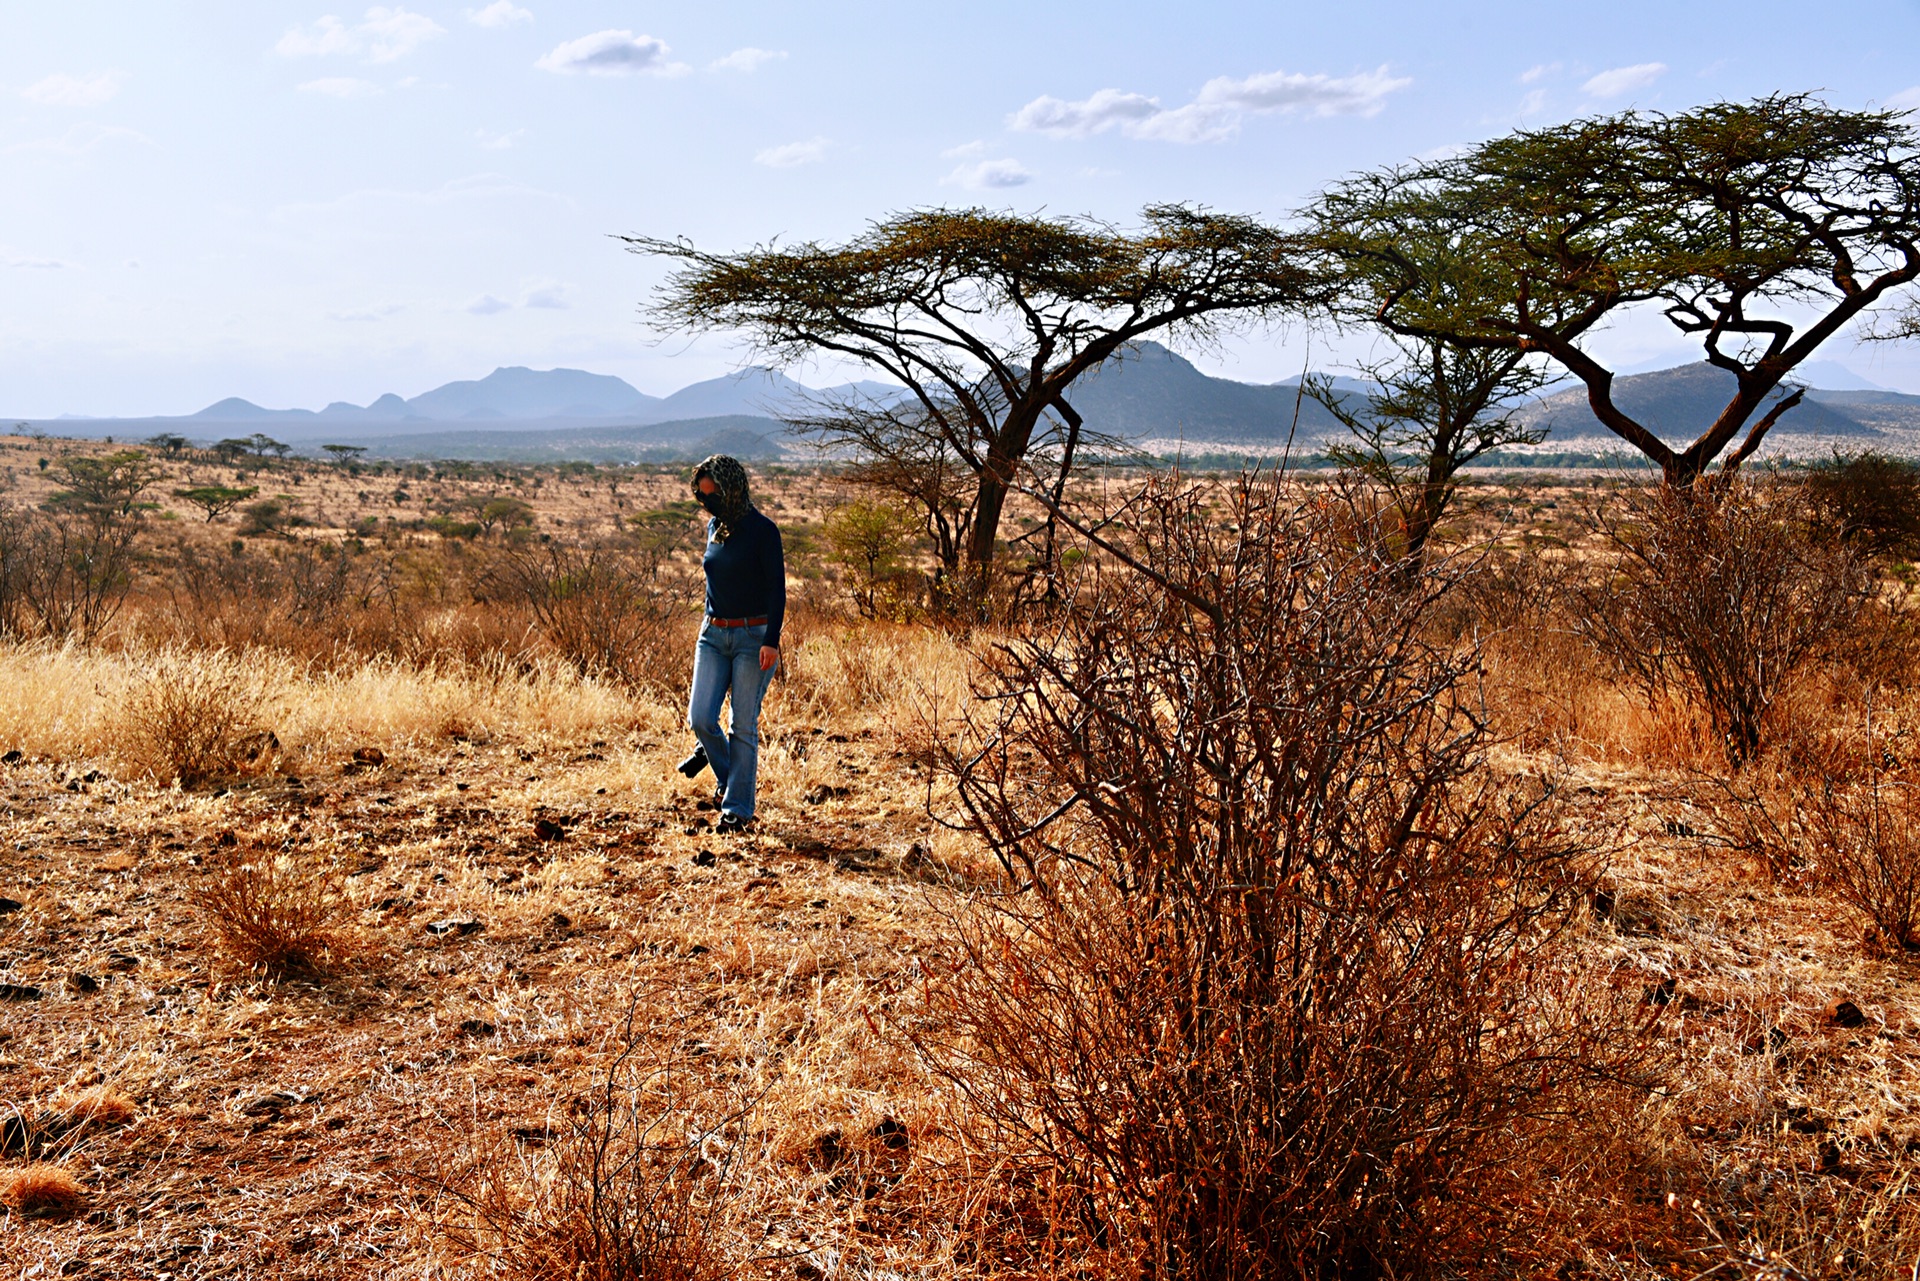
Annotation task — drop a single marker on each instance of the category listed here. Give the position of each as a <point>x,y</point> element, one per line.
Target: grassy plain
<point>529,889</point>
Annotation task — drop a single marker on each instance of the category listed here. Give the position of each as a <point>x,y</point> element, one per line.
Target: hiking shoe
<point>733,824</point>
<point>692,766</point>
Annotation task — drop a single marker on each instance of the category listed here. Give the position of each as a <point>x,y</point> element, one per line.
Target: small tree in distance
<point>216,500</point>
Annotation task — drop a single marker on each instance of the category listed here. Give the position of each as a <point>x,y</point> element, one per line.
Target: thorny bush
<point>198,718</point>
<point>1723,599</point>
<point>1278,977</point>
<point>637,1184</point>
<point>283,914</point>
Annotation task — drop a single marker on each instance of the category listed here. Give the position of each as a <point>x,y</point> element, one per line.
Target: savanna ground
<point>519,900</point>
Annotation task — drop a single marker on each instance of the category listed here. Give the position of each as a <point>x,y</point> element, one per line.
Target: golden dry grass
<point>42,1191</point>
<point>312,1129</point>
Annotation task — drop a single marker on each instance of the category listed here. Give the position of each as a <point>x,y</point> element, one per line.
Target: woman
<point>740,642</point>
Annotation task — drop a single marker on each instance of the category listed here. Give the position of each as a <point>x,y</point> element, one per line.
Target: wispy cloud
<point>1538,72</point>
<point>28,262</point>
<point>488,305</point>
<point>384,35</point>
<point>990,175</point>
<point>964,150</point>
<point>1216,111</point>
<point>1618,82</point>
<point>1906,99</point>
<point>501,13</point>
<point>748,59</point>
<point>550,296</point>
<point>791,155</point>
<point>499,141</point>
<point>79,140</point>
<point>74,91</point>
<point>611,53</point>
<point>341,87</point>
<point>361,315</point>
<point>1533,102</point>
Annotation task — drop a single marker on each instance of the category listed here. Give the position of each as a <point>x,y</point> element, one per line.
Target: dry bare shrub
<point>636,1184</point>
<point>611,608</point>
<point>197,717</point>
<point>43,1191</point>
<point>1866,846</point>
<point>282,914</point>
<point>1723,599</point>
<point>1279,980</point>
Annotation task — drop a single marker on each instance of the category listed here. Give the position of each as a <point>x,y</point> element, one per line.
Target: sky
<point>299,203</point>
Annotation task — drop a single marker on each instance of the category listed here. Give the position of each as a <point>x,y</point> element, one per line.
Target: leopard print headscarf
<point>730,480</point>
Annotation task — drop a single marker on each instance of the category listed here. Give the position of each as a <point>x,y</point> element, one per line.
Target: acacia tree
<point>986,319</point>
<point>1760,229</point>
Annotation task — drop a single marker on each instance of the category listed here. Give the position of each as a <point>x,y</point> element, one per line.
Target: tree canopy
<point>1758,229</point>
<point>985,319</point>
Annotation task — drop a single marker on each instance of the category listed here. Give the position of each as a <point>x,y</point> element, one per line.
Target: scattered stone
<point>548,829</point>
<point>369,756</point>
<point>458,926</point>
<point>819,902</point>
<point>1846,1014</point>
<point>698,949</point>
<point>13,757</point>
<point>8,906</point>
<point>121,963</point>
<point>820,793</point>
<point>18,992</point>
<point>476,1027</point>
<point>704,858</point>
<point>559,921</point>
<point>85,984</point>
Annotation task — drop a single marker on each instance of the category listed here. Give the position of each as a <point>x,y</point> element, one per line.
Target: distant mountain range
<point>1152,397</point>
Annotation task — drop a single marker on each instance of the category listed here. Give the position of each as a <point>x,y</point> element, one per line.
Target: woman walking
<point>740,641</point>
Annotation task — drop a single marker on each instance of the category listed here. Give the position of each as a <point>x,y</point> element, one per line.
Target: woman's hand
<point>768,657</point>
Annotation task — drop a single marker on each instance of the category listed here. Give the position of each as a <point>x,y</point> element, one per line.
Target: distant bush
<point>1872,500</point>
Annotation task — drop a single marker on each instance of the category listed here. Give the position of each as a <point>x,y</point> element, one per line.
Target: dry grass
<point>283,914</point>
<point>43,1191</point>
<point>283,1128</point>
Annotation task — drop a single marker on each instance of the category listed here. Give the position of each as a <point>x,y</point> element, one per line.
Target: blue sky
<point>301,202</point>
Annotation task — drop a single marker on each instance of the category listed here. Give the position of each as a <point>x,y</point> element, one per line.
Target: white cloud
<point>1362,94</point>
<point>550,297</point>
<point>965,150</point>
<point>1617,82</point>
<point>74,91</point>
<point>1906,99</point>
<point>379,311</point>
<point>341,87</point>
<point>990,174</point>
<point>610,53</point>
<point>384,35</point>
<point>1095,114</point>
<point>79,140</point>
<point>1216,112</point>
<point>1539,71</point>
<point>501,13</point>
<point>499,141</point>
<point>792,154</point>
<point>28,262</point>
<point>1534,102</point>
<point>488,305</point>
<point>748,59</point>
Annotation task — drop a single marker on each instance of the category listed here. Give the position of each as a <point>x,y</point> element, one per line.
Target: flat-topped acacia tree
<point>1760,229</point>
<point>986,319</point>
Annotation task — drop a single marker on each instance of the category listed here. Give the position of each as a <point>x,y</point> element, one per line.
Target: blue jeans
<point>727,660</point>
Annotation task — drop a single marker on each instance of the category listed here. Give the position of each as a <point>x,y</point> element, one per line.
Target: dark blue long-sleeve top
<point>747,574</point>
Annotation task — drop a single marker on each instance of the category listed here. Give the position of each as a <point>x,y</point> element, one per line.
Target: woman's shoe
<point>733,824</point>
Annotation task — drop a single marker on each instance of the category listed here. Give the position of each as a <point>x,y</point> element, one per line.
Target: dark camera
<point>692,766</point>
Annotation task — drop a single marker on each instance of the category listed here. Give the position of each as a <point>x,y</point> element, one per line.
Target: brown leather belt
<point>739,622</point>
